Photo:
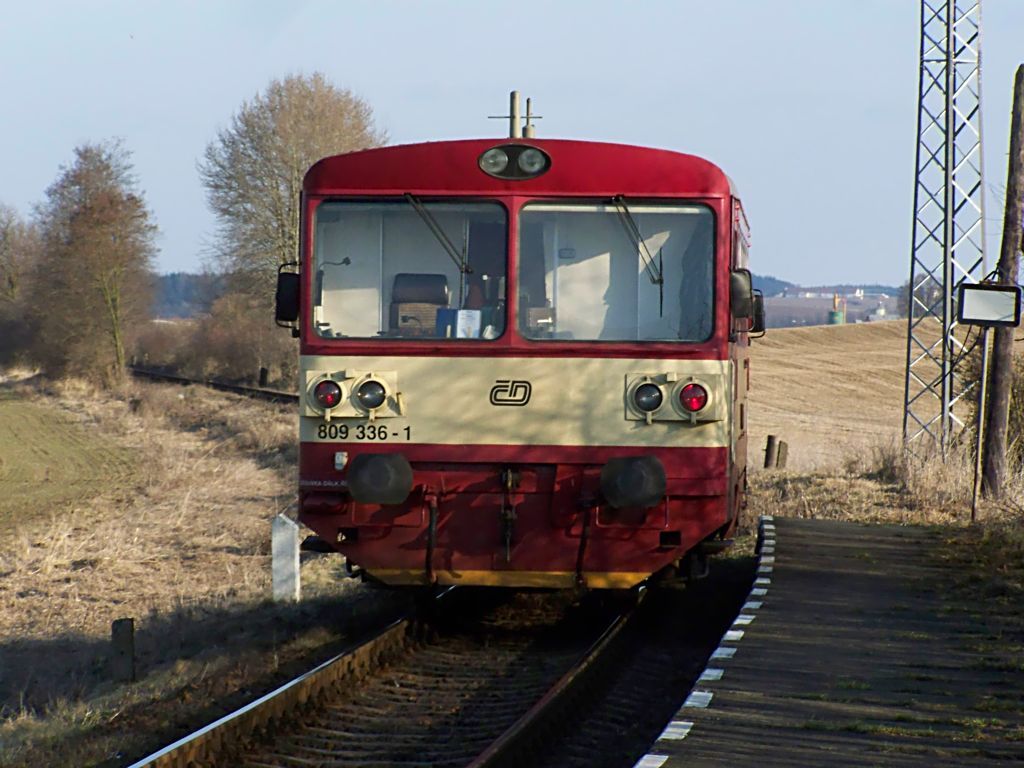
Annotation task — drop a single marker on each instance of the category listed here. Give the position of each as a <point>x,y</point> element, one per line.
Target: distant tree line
<point>186,295</point>
<point>76,278</point>
<point>771,286</point>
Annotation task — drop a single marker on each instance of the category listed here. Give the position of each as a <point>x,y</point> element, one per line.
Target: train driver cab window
<point>409,269</point>
<point>621,271</point>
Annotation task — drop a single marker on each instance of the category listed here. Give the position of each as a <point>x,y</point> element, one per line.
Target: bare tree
<point>93,279</point>
<point>253,170</point>
<point>19,250</point>
<point>19,242</point>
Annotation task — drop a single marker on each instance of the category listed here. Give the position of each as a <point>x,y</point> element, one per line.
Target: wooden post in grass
<point>1001,381</point>
<point>284,556</point>
<point>780,460</point>
<point>771,452</point>
<point>122,656</point>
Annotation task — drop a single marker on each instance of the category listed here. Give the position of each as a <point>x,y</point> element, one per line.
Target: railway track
<point>668,643</point>
<point>527,679</point>
<point>470,687</point>
<point>271,395</point>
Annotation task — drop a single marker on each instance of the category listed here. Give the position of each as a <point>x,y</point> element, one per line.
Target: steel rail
<point>271,395</point>
<point>244,723</point>
<point>230,734</point>
<point>513,746</point>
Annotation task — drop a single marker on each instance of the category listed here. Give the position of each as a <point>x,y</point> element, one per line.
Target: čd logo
<point>511,392</point>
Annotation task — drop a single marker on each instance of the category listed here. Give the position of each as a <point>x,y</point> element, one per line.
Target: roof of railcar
<point>579,168</point>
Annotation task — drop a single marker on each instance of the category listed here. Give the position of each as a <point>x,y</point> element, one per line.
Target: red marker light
<point>327,394</point>
<point>693,397</point>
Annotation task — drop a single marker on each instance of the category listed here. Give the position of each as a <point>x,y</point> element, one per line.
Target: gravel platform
<point>855,651</point>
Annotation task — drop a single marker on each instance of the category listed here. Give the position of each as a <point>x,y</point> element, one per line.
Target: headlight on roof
<point>494,161</point>
<point>531,161</point>
<point>515,162</point>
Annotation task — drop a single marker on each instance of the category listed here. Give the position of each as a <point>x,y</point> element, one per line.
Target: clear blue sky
<point>810,105</point>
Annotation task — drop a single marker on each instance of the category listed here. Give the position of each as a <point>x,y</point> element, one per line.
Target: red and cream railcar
<point>523,362</point>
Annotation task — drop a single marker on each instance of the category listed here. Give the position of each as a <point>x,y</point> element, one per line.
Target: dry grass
<point>836,395</point>
<point>192,522</point>
<point>181,543</point>
<point>884,485</point>
<point>47,461</point>
<point>985,559</point>
<point>828,391</point>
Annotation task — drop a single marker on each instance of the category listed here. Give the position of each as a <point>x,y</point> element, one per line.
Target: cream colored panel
<point>518,401</point>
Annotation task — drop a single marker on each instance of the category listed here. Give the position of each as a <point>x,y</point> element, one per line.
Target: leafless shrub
<point>162,343</point>
<point>236,340</point>
<point>20,248</point>
<point>885,461</point>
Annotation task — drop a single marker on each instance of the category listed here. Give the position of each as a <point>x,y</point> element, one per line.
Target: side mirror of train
<point>758,324</point>
<point>741,294</point>
<point>286,298</point>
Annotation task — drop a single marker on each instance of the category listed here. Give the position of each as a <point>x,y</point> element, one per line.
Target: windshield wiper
<point>459,257</point>
<point>456,255</point>
<point>633,233</point>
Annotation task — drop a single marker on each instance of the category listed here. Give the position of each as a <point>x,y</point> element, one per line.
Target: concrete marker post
<point>284,556</point>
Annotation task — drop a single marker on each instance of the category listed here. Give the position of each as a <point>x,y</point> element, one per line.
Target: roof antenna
<point>515,126</point>
<point>531,129</point>
<point>515,130</point>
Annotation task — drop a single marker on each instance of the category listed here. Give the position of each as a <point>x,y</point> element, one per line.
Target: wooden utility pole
<point>994,473</point>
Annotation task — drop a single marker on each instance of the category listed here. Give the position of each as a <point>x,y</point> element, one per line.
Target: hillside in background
<point>807,385</point>
<point>772,286</point>
<point>844,289</point>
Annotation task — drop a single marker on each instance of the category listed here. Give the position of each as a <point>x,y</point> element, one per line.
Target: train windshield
<point>616,272</point>
<point>409,269</point>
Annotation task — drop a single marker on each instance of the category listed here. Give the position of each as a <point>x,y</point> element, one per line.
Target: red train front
<point>523,363</point>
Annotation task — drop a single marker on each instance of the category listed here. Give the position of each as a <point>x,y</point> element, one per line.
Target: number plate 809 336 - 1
<point>377,432</point>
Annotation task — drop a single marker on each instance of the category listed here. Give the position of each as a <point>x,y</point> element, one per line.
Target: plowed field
<point>828,391</point>
<point>49,459</point>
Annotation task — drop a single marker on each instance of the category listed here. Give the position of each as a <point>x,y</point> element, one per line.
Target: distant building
<point>880,313</point>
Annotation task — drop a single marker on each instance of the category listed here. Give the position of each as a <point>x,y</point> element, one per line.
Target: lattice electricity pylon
<point>948,245</point>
